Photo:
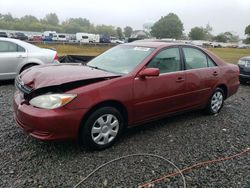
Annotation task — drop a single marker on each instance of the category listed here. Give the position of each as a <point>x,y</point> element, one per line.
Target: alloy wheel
<point>216,101</point>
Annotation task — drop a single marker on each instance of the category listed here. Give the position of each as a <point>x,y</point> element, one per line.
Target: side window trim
<point>208,58</point>
<point>169,47</point>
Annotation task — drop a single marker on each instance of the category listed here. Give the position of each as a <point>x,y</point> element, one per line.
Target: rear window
<point>6,46</point>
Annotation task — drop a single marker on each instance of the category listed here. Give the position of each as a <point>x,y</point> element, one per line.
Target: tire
<point>216,102</point>
<point>27,67</point>
<point>243,81</point>
<point>100,130</point>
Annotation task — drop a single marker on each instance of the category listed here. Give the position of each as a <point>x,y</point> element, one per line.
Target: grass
<point>230,55</point>
<point>76,49</point>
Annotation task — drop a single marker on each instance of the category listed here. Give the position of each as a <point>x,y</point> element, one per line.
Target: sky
<point>222,15</point>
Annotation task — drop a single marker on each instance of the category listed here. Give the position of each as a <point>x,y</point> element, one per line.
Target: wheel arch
<point>224,88</point>
<point>27,64</point>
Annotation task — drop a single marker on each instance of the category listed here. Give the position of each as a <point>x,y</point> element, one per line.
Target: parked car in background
<point>125,86</point>
<point>3,34</point>
<point>104,38</point>
<point>59,37</point>
<point>11,35</point>
<point>17,56</point>
<point>244,65</point>
<point>36,38</point>
<point>48,35</point>
<point>114,40</point>
<point>20,36</point>
<point>87,38</point>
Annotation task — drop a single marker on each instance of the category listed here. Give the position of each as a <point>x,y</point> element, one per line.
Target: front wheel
<point>216,102</point>
<point>102,128</point>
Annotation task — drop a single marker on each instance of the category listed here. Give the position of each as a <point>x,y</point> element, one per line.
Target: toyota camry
<point>128,85</point>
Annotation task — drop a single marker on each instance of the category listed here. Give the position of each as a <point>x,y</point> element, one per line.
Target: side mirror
<point>149,72</point>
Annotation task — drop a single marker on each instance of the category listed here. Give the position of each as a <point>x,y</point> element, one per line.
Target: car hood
<point>53,75</point>
<point>245,58</point>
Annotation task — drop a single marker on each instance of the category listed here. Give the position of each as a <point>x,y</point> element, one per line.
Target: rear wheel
<point>216,102</point>
<point>102,128</point>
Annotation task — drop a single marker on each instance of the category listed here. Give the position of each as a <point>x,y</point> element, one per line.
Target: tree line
<point>51,23</point>
<point>169,26</point>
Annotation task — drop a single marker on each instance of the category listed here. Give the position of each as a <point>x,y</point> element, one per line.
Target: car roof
<point>155,44</point>
<point>21,43</point>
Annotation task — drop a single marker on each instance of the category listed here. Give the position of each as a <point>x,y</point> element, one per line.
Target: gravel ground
<point>185,139</point>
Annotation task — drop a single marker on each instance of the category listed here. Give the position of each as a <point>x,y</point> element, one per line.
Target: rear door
<point>201,75</point>
<point>156,96</point>
<point>11,55</point>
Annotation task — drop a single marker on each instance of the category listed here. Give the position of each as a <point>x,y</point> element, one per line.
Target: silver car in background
<point>16,56</point>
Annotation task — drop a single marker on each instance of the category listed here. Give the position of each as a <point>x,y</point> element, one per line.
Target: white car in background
<point>59,37</point>
<point>114,40</point>
<point>16,56</point>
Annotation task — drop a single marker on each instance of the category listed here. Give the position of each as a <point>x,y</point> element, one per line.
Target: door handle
<point>215,73</point>
<point>20,56</point>
<point>180,79</point>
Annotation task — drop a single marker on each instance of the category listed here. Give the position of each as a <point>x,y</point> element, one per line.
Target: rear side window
<point>194,58</point>
<point>167,61</point>
<point>10,47</point>
<point>210,62</point>
<point>20,49</point>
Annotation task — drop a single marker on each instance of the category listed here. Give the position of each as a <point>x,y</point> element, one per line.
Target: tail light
<point>56,57</point>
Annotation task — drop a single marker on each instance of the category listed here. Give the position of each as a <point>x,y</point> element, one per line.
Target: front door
<point>156,96</point>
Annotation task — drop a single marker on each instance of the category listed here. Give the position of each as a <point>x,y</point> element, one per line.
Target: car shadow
<point>70,146</point>
<point>152,126</point>
<point>160,123</point>
<point>6,82</point>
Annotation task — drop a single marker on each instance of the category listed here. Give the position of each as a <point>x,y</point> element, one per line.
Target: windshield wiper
<point>98,68</point>
<point>94,67</point>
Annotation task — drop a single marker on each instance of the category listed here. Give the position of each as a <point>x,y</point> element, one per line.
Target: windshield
<point>120,59</point>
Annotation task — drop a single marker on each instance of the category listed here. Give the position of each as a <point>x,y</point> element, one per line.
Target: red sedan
<point>127,85</point>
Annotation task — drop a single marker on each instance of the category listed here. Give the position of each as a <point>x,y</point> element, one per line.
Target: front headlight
<point>242,62</point>
<point>52,101</point>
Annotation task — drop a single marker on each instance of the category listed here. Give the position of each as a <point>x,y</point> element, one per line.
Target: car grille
<point>21,87</point>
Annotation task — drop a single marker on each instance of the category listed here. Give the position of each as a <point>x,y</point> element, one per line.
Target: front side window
<point>167,61</point>
<point>194,58</point>
<point>121,59</point>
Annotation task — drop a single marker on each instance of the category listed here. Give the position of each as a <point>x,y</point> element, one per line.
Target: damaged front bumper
<point>47,125</point>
